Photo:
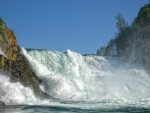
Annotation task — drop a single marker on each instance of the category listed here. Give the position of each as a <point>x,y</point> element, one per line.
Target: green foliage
<point>1,21</point>
<point>121,23</point>
<point>132,42</point>
<point>111,48</point>
<point>4,63</point>
<point>115,47</point>
<point>3,28</point>
<point>101,51</point>
<point>143,18</point>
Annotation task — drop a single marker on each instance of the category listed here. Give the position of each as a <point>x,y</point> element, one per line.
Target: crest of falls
<point>72,77</point>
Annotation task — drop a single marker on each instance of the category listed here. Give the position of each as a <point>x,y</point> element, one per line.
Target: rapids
<point>85,82</point>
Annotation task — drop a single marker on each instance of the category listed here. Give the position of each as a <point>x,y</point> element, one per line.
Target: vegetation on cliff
<point>131,42</point>
<point>8,42</point>
<point>14,63</point>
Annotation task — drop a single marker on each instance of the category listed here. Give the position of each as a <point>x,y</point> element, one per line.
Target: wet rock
<point>15,63</point>
<point>1,103</point>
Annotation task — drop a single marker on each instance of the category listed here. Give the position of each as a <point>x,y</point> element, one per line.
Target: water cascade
<point>69,78</point>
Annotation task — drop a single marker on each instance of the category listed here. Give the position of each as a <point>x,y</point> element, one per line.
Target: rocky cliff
<point>8,42</point>
<point>13,62</point>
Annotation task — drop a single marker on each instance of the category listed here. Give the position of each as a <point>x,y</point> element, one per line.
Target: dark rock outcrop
<point>21,71</point>
<point>1,104</point>
<point>15,63</point>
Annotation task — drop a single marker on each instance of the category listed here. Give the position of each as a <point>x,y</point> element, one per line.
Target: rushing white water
<point>91,81</point>
<point>15,93</point>
<point>70,76</point>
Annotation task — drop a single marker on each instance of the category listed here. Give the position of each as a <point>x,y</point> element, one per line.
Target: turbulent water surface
<point>79,84</point>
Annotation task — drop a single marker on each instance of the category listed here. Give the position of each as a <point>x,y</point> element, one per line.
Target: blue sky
<point>79,25</point>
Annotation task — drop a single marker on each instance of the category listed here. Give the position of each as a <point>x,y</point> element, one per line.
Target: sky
<point>82,26</point>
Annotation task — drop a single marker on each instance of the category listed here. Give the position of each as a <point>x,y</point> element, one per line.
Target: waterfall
<point>71,76</point>
<point>85,82</point>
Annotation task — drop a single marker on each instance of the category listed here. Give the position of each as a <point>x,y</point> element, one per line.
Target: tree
<point>143,18</point>
<point>121,24</point>
<point>131,42</point>
<point>101,51</point>
<point>111,48</point>
<point>120,39</point>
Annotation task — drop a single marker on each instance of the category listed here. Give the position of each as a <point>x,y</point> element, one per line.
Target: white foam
<point>70,76</point>
<point>15,93</point>
<point>2,53</point>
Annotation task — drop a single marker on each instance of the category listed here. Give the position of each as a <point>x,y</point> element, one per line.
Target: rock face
<point>1,104</point>
<point>14,62</point>
<point>8,42</point>
<point>21,71</point>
